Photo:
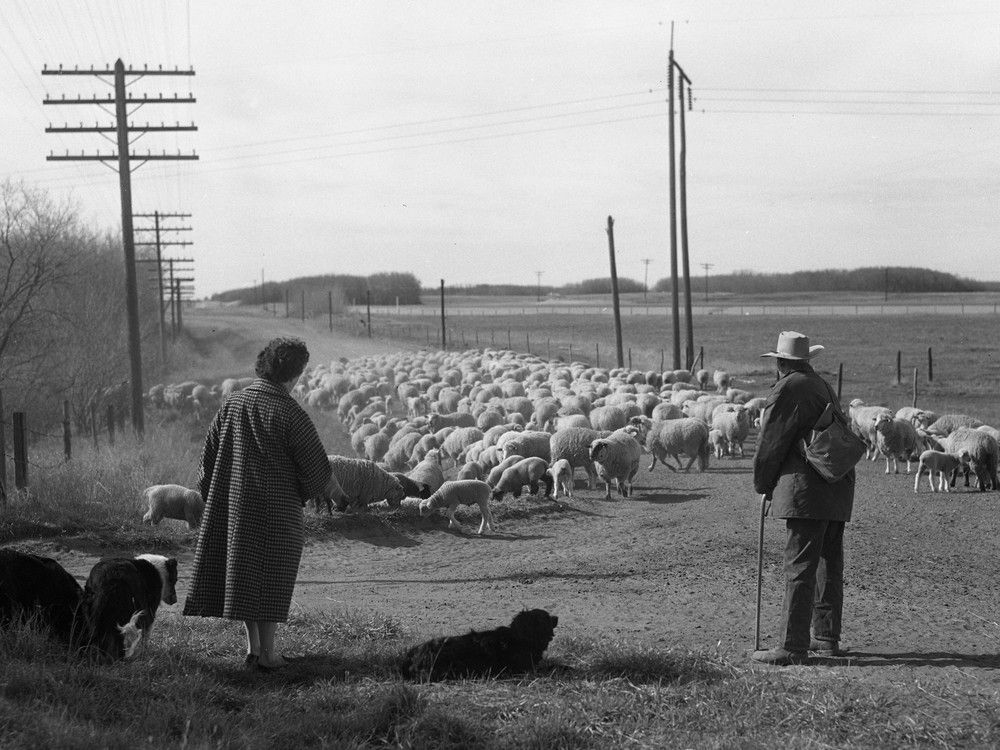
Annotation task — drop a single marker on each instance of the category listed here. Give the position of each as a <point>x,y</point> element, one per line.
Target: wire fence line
<point>485,311</point>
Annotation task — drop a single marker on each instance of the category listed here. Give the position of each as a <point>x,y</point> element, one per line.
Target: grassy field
<point>598,690</point>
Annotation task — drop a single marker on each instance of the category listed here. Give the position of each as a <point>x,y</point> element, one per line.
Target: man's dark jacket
<point>794,404</point>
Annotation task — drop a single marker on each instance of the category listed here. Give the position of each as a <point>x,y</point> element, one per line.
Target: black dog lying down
<point>35,586</point>
<point>487,653</point>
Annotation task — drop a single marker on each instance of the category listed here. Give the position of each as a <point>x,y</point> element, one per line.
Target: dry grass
<point>188,689</point>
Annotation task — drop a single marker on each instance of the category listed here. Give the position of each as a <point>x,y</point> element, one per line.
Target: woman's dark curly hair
<point>282,359</point>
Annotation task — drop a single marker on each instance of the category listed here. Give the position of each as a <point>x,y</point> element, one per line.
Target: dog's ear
<point>172,570</point>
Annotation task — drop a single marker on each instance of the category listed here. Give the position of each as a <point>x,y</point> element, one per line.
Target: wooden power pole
<point>615,302</point>
<point>123,157</point>
<point>675,312</point>
<point>689,325</point>
<point>159,244</point>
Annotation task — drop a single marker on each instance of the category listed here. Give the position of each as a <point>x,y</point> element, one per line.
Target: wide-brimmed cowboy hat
<point>794,345</point>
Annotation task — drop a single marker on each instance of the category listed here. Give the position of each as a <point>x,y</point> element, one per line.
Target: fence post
<point>3,457</point>
<point>527,340</point>
<point>548,348</point>
<point>930,366</point>
<point>67,440</point>
<point>840,379</point>
<point>701,358</point>
<point>20,451</point>
<point>111,425</point>
<point>477,338</point>
<point>597,348</point>
<point>508,339</point>
<point>93,424</point>
<point>661,360</point>
<point>570,351</point>
<point>899,367</point>
<point>630,358</point>
<point>914,387</point>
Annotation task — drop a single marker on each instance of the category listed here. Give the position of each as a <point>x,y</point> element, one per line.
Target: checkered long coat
<point>262,458</point>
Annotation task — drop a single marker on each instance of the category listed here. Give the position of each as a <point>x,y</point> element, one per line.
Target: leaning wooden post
<point>67,439</point>
<point>570,351</point>
<point>615,301</point>
<point>840,379</point>
<point>914,388</point>
<point>930,366</point>
<point>111,424</point>
<point>899,367</point>
<point>701,357</point>
<point>20,451</point>
<point>661,360</point>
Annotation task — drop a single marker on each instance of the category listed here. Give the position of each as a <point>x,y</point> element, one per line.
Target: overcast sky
<point>485,141</point>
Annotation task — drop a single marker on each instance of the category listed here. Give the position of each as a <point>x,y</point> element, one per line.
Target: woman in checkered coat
<point>262,458</point>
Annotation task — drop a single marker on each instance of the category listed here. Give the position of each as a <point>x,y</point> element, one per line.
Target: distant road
<point>798,310</point>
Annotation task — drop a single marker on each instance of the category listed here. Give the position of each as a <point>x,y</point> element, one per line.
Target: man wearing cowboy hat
<point>814,510</point>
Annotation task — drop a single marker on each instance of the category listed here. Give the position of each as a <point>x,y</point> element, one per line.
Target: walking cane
<point>760,571</point>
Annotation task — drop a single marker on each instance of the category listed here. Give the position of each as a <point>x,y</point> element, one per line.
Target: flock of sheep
<point>467,428</point>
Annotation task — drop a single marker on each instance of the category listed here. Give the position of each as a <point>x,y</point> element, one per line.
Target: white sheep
<point>562,477</point>
<point>941,463</point>
<point>428,471</point>
<point>471,470</point>
<point>616,457</point>
<point>862,417</point>
<point>573,444</point>
<point>173,501</point>
<point>528,443</point>
<point>722,380</point>
<point>677,437</point>
<point>461,492</point>
<point>718,442</point>
<point>497,471</point>
<point>734,426</point>
<point>894,439</point>
<point>528,471</point>
<point>983,451</point>
<point>364,482</point>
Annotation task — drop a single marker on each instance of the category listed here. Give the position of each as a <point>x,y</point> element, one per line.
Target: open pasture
<point>654,596</point>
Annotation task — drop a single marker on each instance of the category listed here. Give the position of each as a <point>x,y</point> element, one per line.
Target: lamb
<point>894,439</point>
<point>722,380</point>
<point>361,483</point>
<point>982,449</point>
<point>428,472</point>
<point>562,477</point>
<point>616,457</point>
<point>676,437</point>
<point>703,378</point>
<point>173,501</point>
<point>461,492</point>
<point>734,426</point>
<point>528,471</point>
<point>943,464</point>
<point>573,444</point>
<point>497,471</point>
<point>718,442</point>
<point>528,443</point>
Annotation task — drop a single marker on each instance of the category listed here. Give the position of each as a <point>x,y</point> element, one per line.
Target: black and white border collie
<point>32,586</point>
<point>120,600</point>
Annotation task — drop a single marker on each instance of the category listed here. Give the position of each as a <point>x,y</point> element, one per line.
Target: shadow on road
<point>662,498</point>
<point>914,659</point>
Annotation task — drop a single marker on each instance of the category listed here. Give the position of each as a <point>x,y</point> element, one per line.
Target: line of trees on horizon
<point>387,288</point>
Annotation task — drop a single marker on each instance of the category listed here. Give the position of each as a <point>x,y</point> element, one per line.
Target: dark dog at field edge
<point>506,650</point>
<point>120,600</point>
<point>35,586</point>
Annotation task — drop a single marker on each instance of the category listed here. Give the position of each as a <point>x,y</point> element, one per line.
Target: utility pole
<point>886,285</point>
<point>689,330</point>
<point>614,293</point>
<point>675,313</point>
<point>707,266</point>
<point>538,293</point>
<point>171,286</point>
<point>160,244</point>
<point>123,128</point>
<point>443,336</point>
<point>645,278</point>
